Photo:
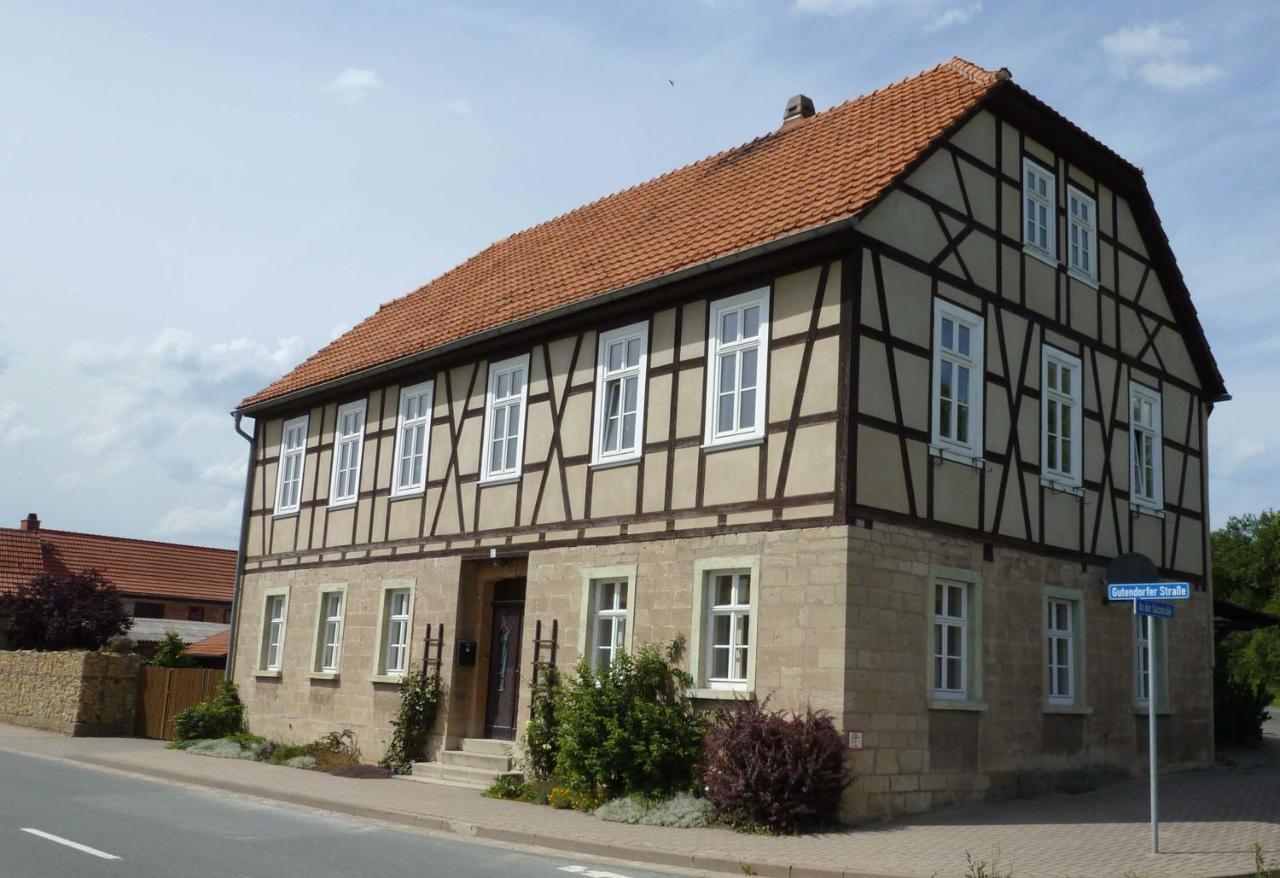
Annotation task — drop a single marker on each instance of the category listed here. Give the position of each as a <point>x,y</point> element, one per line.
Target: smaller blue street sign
<point>1148,591</point>
<point>1153,608</point>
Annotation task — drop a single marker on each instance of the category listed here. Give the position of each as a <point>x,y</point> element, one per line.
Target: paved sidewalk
<point>1211,820</point>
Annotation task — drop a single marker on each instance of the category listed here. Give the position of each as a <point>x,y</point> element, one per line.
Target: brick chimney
<point>31,522</point>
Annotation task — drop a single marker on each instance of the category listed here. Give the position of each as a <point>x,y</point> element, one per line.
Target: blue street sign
<point>1148,591</point>
<point>1153,608</point>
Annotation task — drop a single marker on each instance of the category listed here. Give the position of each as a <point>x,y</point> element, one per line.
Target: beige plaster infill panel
<point>731,476</point>
<point>613,491</point>
<point>813,461</point>
<point>794,296</point>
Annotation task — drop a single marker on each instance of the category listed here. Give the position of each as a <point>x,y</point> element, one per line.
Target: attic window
<point>1082,234</point>
<point>1038,209</point>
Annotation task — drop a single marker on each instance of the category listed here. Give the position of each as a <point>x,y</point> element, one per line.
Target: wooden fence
<point>163,692</point>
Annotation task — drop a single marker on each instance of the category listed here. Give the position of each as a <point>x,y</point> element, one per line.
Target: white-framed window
<point>1060,410</point>
<point>609,637</point>
<point>413,436</point>
<point>620,386</point>
<point>330,620</point>
<point>725,619</point>
<point>738,365</point>
<point>1149,634</point>
<point>957,379</point>
<point>275,614</point>
<point>950,640</point>
<point>348,446</point>
<point>395,627</point>
<point>1146,456</point>
<point>1082,234</point>
<point>1039,209</point>
<point>1142,647</point>
<point>1060,633</point>
<point>504,418</point>
<point>293,457</point>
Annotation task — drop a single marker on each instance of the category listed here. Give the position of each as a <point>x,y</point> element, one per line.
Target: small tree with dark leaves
<point>75,611</point>
<point>172,653</point>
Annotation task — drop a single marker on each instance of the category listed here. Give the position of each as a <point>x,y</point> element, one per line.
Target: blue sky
<point>195,196</point>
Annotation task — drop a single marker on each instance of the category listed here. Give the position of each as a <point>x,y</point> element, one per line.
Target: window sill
<point>292,513</point>
<point>1142,710</point>
<point>1035,253</point>
<point>966,458</point>
<point>956,704</point>
<point>730,444</point>
<point>1144,509</point>
<point>505,479</point>
<point>343,504</point>
<point>386,678</point>
<point>1061,487</point>
<point>715,694</point>
<point>610,463</point>
<point>267,675</point>
<point>323,675</point>
<point>416,494</point>
<point>1070,709</point>
<point>1083,278</point>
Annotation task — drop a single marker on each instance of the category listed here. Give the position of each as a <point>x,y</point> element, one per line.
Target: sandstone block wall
<point>75,692</point>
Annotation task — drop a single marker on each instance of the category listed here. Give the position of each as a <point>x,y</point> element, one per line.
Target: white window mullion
<point>1146,487</point>
<point>621,367</point>
<point>504,418</point>
<point>1060,421</point>
<point>737,362</point>
<point>413,437</point>
<point>348,446</point>
<point>1039,209</point>
<point>958,380</point>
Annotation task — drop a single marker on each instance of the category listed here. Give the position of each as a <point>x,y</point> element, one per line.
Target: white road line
<point>83,848</point>
<point>589,872</point>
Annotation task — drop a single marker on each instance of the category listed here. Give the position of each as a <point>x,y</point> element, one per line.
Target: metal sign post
<point>1132,577</point>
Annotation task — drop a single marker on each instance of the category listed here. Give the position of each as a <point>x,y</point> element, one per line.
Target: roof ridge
<point>36,534</point>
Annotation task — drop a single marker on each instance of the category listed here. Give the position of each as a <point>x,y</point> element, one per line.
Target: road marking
<point>83,848</point>
<point>590,873</point>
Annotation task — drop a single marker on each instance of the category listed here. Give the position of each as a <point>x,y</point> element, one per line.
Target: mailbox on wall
<point>466,652</point>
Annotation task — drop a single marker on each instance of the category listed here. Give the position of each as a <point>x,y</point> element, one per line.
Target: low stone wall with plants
<point>73,692</point>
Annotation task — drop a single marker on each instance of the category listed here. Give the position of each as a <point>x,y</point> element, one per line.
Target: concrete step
<point>467,759</point>
<point>452,775</point>
<point>490,746</point>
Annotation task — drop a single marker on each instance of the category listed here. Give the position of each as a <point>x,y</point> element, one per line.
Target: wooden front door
<point>504,660</point>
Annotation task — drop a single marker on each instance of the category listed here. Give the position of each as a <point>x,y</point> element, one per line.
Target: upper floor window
<point>738,359</point>
<point>293,452</point>
<point>504,417</point>
<point>957,379</point>
<point>1060,404</point>
<point>1039,208</point>
<point>620,385</point>
<point>1082,234</point>
<point>348,444</point>
<point>1145,439</point>
<point>413,435</point>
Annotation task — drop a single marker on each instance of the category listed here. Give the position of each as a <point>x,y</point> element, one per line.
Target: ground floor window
<point>1149,635</point>
<point>394,630</point>
<point>953,645</point>
<point>610,635</point>
<point>330,622</point>
<point>275,608</point>
<point>1061,652</point>
<point>729,628</point>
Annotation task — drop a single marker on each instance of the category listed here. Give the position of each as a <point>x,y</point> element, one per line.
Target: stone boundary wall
<point>76,692</point>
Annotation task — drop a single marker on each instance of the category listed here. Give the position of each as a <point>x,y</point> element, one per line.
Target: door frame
<point>507,594</point>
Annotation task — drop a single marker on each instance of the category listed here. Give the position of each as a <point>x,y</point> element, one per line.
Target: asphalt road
<point>59,820</point>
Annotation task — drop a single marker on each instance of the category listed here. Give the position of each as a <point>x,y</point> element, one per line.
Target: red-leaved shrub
<point>781,772</point>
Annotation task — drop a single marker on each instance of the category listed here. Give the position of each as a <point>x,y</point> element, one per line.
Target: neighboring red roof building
<point>165,572</point>
<point>211,647</point>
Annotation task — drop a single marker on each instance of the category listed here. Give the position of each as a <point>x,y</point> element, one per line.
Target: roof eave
<point>842,224</point>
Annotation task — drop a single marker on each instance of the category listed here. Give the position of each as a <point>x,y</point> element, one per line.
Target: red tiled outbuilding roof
<point>215,645</point>
<point>141,568</point>
<point>808,173</point>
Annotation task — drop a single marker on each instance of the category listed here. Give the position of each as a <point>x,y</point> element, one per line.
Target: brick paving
<point>1210,820</point>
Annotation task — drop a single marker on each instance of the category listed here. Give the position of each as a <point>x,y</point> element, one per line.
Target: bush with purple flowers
<point>766,769</point>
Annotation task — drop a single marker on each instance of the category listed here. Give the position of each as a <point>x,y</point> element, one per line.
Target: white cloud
<point>354,84</point>
<point>15,429</point>
<point>836,7</point>
<point>459,107</point>
<point>229,474</point>
<point>200,522</point>
<point>956,15</point>
<point>1155,54</point>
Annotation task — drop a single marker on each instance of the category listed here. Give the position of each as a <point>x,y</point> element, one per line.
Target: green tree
<point>172,653</point>
<point>1246,571</point>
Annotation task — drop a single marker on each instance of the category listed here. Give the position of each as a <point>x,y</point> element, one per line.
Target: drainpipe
<point>240,552</point>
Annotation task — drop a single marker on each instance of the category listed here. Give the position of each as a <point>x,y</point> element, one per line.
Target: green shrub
<point>507,786</point>
<point>218,747</point>
<point>420,696</point>
<point>221,715</point>
<point>301,762</point>
<point>172,653</point>
<point>1239,701</point>
<point>282,753</point>
<point>630,728</point>
<point>540,733</point>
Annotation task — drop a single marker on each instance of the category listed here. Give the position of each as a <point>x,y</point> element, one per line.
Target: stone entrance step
<point>476,764</point>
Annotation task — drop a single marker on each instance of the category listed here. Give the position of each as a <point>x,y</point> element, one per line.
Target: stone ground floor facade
<point>960,671</point>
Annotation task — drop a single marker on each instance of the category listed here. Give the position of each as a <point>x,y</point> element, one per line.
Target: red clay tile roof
<point>136,567</point>
<point>212,646</point>
<point>807,174</point>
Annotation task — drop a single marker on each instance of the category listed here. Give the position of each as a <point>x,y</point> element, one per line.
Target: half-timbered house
<point>860,409</point>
